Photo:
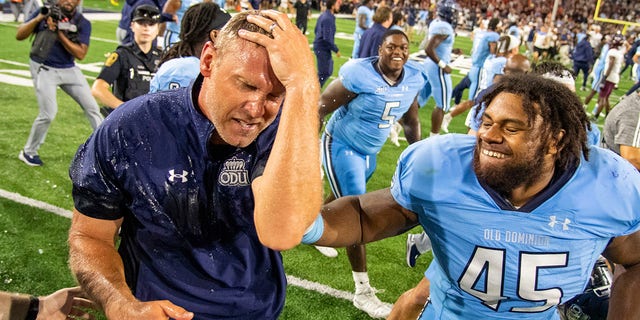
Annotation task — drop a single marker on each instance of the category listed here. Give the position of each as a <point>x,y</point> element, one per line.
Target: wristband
<point>34,307</point>
<point>314,232</point>
<point>442,64</point>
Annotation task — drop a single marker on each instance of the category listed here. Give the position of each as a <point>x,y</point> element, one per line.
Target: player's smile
<point>493,154</point>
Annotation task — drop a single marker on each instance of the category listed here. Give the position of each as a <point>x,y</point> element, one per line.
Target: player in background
<point>177,9</point>
<point>441,36</point>
<point>484,43</point>
<point>367,98</point>
<point>611,74</point>
<point>493,67</point>
<point>364,20</point>
<point>597,71</point>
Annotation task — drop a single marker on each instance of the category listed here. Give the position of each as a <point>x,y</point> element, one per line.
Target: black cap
<point>221,18</point>
<point>146,12</point>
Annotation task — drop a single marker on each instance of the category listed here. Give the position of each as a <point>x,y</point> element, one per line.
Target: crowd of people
<point>174,191</point>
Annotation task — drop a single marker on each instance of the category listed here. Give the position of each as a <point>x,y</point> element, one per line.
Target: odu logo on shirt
<point>234,173</point>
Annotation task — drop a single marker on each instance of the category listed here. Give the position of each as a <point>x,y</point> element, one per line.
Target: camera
<point>51,9</point>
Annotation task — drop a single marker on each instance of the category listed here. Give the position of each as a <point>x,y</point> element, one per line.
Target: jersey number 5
<point>386,114</point>
<point>488,264</point>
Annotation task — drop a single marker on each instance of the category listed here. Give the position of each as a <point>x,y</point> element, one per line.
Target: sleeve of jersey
<point>95,191</point>
<point>440,29</point>
<point>353,76</point>
<point>412,162</point>
<point>618,189</point>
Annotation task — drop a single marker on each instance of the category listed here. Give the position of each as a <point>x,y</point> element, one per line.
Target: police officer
<point>130,68</point>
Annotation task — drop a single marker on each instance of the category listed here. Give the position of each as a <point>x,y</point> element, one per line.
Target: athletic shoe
<point>445,122</point>
<point>33,161</point>
<point>105,111</point>
<point>367,301</point>
<point>412,250</point>
<point>327,251</point>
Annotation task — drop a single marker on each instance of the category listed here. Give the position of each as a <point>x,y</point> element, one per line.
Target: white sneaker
<point>327,251</point>
<point>367,301</point>
<point>445,122</point>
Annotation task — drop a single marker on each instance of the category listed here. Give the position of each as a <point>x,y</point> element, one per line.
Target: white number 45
<point>488,264</point>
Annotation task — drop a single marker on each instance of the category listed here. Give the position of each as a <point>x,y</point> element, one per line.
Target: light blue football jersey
<point>364,123</point>
<point>492,263</point>
<point>184,5</point>
<point>492,67</point>
<point>480,48</point>
<point>175,73</point>
<point>440,27</point>
<point>602,59</point>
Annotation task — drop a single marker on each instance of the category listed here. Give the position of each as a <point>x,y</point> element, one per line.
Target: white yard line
<point>292,280</point>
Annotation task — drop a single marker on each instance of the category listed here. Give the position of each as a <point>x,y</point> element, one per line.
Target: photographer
<point>61,35</point>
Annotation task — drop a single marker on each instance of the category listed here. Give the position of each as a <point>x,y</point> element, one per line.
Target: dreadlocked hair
<point>559,108</point>
<point>194,31</point>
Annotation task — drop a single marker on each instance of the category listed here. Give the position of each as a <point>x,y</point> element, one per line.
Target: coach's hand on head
<point>287,47</point>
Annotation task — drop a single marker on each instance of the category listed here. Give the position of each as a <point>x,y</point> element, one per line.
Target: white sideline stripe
<point>35,203</point>
<point>294,281</point>
<point>319,287</point>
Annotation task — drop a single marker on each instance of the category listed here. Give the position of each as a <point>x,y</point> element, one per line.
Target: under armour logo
<point>182,176</point>
<point>554,221</point>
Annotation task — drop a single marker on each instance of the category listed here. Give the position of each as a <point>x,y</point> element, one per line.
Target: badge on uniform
<point>113,57</point>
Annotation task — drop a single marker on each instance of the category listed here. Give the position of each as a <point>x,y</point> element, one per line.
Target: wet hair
<point>229,32</point>
<point>559,108</point>
<point>194,30</point>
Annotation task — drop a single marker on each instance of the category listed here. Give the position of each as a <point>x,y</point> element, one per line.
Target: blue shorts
<point>347,170</point>
<point>440,82</point>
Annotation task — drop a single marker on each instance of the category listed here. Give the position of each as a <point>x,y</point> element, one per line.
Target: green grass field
<point>33,248</point>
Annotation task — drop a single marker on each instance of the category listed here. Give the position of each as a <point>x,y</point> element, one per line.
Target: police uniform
<point>129,70</point>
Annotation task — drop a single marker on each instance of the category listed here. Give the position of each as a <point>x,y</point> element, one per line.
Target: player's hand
<point>152,310</point>
<point>66,303</point>
<point>338,54</point>
<point>289,53</point>
<point>447,69</point>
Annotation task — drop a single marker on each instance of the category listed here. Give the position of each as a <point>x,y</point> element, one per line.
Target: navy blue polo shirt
<point>188,233</point>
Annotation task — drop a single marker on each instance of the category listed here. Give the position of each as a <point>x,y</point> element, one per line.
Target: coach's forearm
<point>288,195</point>
<point>98,267</point>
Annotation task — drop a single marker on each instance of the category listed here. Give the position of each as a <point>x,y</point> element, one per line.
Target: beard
<point>521,171</point>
